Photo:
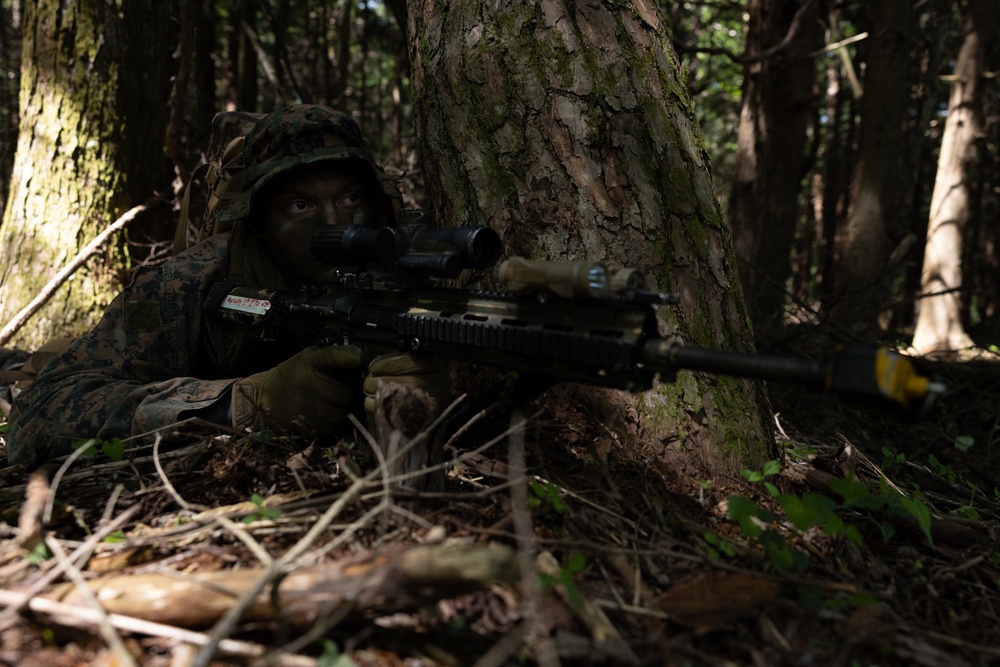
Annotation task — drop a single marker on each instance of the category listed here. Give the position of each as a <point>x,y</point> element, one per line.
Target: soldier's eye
<point>298,206</point>
<point>352,199</point>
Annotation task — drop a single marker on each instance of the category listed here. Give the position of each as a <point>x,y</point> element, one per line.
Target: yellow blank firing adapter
<point>570,280</point>
<point>882,372</point>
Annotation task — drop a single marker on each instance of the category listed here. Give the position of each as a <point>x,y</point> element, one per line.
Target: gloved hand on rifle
<point>316,387</point>
<point>432,376</point>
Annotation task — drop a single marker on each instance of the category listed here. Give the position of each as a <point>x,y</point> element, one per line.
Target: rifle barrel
<point>807,372</point>
<point>853,370</point>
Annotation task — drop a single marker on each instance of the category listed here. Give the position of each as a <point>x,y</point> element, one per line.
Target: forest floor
<point>874,541</point>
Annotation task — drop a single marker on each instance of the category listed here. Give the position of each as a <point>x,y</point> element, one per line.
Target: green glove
<point>315,386</point>
<point>433,376</point>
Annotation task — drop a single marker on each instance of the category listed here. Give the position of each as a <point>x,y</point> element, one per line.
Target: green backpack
<point>214,181</point>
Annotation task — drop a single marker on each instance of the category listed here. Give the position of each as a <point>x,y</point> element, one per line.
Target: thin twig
<point>54,485</point>
<point>111,636</point>
<point>323,624</point>
<point>224,626</point>
<point>166,481</point>
<point>80,553</point>
<point>457,459</point>
<point>64,273</point>
<point>76,616</point>
<point>109,507</point>
<point>246,538</point>
<point>526,546</point>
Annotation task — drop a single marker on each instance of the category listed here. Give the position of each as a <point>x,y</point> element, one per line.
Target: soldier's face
<point>301,202</point>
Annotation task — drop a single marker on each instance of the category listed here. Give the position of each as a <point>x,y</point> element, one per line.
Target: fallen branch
<point>75,616</point>
<point>395,579</point>
<point>80,554</point>
<point>104,627</point>
<point>64,273</point>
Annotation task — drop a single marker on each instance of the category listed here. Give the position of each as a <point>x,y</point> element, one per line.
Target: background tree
<point>89,149</point>
<point>862,245</point>
<point>192,102</point>
<point>939,324</point>
<point>778,105</point>
<point>10,63</point>
<point>567,129</point>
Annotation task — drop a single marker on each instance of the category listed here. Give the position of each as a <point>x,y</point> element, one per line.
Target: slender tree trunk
<point>10,58</point>
<point>921,147</point>
<point>192,102</point>
<point>778,99</point>
<point>939,323</point>
<point>834,174</point>
<point>241,66</point>
<point>863,244</point>
<point>567,128</point>
<point>90,147</point>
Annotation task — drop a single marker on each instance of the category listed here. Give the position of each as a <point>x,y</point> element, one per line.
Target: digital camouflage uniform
<point>155,357</point>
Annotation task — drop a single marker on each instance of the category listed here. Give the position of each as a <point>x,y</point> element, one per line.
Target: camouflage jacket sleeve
<point>136,371</point>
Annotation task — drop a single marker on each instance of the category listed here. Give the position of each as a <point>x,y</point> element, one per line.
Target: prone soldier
<point>156,358</point>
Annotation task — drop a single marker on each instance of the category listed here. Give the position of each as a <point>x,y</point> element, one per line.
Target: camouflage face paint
<point>300,203</point>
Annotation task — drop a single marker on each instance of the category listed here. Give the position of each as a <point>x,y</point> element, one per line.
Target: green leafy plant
<point>39,554</point>
<point>332,657</point>
<point>887,501</point>
<point>771,468</point>
<point>946,471</point>
<point>114,448</point>
<point>963,443</point>
<point>716,547</point>
<point>891,459</point>
<point>261,513</point>
<point>817,510</point>
<point>577,563</point>
<point>546,496</point>
<point>757,523</point>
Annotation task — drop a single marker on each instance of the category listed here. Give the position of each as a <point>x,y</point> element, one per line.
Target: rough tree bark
<point>90,147</point>
<point>939,321</point>
<point>567,127</point>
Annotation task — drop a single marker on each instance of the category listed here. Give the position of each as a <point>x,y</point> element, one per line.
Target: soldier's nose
<point>329,213</point>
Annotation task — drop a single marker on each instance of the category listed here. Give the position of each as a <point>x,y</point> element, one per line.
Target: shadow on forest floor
<point>874,541</point>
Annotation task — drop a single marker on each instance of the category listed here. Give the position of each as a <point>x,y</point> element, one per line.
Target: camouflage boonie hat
<point>299,135</point>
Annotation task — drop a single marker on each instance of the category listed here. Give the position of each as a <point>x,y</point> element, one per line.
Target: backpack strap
<point>183,223</point>
<point>9,377</point>
<point>36,361</point>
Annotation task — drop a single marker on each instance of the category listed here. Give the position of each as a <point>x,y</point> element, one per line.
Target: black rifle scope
<point>443,252</point>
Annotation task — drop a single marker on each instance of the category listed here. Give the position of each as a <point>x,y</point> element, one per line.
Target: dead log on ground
<point>395,579</point>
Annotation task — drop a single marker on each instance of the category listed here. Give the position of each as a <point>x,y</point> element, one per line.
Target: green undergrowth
<point>780,526</point>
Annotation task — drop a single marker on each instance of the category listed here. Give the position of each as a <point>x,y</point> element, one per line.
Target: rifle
<point>556,321</point>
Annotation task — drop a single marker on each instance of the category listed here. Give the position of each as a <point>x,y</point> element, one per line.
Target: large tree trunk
<point>862,246</point>
<point>90,147</point>
<point>939,323</point>
<point>778,102</point>
<point>567,127</point>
